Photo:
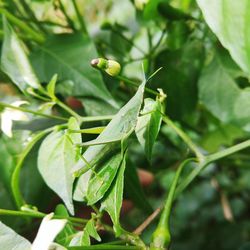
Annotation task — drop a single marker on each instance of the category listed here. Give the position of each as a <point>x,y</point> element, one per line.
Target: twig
<point>32,111</point>
<point>80,19</point>
<point>184,137</point>
<point>145,223</point>
<point>126,80</point>
<point>69,21</point>
<point>227,211</point>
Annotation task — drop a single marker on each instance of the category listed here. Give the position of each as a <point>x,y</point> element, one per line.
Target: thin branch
<point>69,21</point>
<point>22,25</point>
<point>126,80</point>
<point>147,222</point>
<point>227,211</point>
<point>184,137</point>
<point>209,159</point>
<point>5,105</point>
<point>79,17</point>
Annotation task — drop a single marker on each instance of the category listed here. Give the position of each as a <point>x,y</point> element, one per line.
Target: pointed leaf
<point>91,230</point>
<point>218,90</point>
<point>51,86</point>
<point>56,157</point>
<point>112,203</point>
<point>148,125</point>
<point>14,61</point>
<point>69,56</point>
<point>9,239</point>
<point>230,21</point>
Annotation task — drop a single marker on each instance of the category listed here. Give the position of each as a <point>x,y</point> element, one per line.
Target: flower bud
<point>99,63</point>
<point>111,67</point>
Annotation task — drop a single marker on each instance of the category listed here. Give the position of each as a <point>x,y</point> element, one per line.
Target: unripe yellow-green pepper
<point>111,67</point>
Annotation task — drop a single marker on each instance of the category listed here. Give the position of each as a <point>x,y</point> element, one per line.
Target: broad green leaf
<point>57,156</point>
<point>15,62</point>
<point>218,91</point>
<point>230,21</point>
<point>134,189</point>
<point>112,202</point>
<point>120,126</point>
<point>9,239</point>
<point>221,95</point>
<point>221,135</point>
<point>180,79</point>
<point>102,179</point>
<point>148,125</point>
<point>69,56</point>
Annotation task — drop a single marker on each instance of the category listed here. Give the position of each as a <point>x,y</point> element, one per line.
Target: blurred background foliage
<point>207,96</point>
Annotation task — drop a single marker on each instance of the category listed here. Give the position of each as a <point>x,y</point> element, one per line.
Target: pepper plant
<point>92,92</point>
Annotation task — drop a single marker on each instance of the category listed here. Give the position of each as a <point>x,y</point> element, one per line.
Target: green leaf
<point>57,156</point>
<point>69,56</point>
<point>85,239</point>
<point>120,126</point>
<point>9,239</point>
<point>171,13</point>
<point>112,203</point>
<point>102,179</point>
<point>91,230</point>
<point>221,135</point>
<point>220,94</point>
<point>14,60</point>
<point>150,11</point>
<point>51,86</point>
<point>230,21</point>
<point>180,79</point>
<point>148,125</point>
<point>218,91</point>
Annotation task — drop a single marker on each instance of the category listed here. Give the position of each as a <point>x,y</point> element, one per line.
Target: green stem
<point>67,109</point>
<point>36,214</point>
<point>126,80</point>
<point>32,112</point>
<point>15,187</point>
<point>159,41</point>
<point>95,130</point>
<point>161,237</point>
<point>69,21</point>
<point>209,159</point>
<point>35,36</point>
<point>128,40</point>
<point>80,18</point>
<point>184,137</point>
<point>32,16</point>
